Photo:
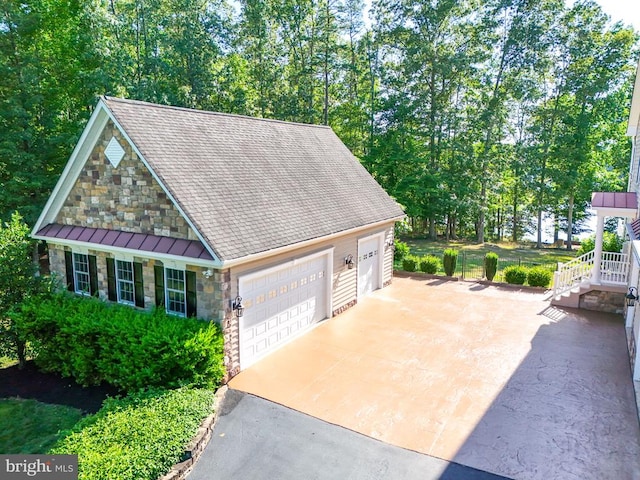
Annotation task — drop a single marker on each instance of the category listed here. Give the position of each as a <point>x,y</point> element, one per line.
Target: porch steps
<point>571,298</point>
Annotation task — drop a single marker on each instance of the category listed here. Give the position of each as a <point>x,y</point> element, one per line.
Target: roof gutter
<point>295,246</point>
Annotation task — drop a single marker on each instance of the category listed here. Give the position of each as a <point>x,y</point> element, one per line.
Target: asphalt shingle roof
<point>250,185</point>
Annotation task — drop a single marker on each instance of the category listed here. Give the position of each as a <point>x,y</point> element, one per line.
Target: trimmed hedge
<point>429,264</point>
<point>490,265</point>
<point>515,274</point>
<point>410,263</point>
<point>139,437</point>
<point>539,277</point>
<point>94,342</point>
<point>449,261</point>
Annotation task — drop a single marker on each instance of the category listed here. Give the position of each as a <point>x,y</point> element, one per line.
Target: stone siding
<point>601,301</point>
<point>210,291</point>
<point>125,198</point>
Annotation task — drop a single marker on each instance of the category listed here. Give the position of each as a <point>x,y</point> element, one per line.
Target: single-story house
<point>266,227</point>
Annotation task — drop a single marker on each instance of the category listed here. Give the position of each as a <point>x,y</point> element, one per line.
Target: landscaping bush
<point>515,274</point>
<point>401,250</point>
<point>449,260</point>
<point>490,265</point>
<point>96,342</point>
<point>139,437</point>
<point>409,263</point>
<point>610,243</point>
<point>429,264</point>
<point>539,277</point>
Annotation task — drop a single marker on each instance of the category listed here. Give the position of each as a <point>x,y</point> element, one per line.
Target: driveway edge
<point>199,442</point>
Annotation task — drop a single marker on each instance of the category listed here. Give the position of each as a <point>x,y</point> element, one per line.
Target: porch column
<point>597,251</point>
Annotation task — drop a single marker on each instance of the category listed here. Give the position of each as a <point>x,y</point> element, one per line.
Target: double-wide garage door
<point>281,303</point>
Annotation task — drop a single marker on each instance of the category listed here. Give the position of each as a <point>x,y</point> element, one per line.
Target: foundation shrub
<point>449,261</point>
<point>539,277</point>
<point>515,274</point>
<point>94,342</point>
<point>409,263</point>
<point>401,250</point>
<point>490,265</point>
<point>429,264</point>
<point>139,437</point>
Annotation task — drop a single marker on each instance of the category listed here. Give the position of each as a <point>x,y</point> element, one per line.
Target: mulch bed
<point>51,388</point>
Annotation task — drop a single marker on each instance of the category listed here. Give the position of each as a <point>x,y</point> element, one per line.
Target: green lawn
<point>471,255</point>
<point>29,426</point>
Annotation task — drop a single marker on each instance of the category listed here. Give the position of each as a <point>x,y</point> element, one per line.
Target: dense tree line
<point>478,116</point>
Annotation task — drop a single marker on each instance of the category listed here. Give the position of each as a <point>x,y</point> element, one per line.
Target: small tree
<point>18,281</point>
<point>449,261</point>
<point>491,265</point>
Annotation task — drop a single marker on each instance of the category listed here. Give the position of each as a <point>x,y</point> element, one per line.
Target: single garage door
<point>281,303</point>
<point>369,256</point>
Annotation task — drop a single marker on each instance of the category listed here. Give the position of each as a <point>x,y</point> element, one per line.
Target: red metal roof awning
<point>132,241</point>
<point>625,200</point>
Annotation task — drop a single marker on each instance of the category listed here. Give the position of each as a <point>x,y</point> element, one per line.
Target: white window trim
<point>132,282</point>
<point>167,290</point>
<point>77,272</point>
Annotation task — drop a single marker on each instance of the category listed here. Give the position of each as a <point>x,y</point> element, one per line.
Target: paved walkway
<point>483,376</point>
<point>257,439</point>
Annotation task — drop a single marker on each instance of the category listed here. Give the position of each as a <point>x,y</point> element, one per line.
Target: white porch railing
<point>572,273</point>
<point>614,268</point>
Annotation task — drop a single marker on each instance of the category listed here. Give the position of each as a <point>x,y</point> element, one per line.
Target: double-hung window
<point>176,291</point>
<point>124,282</point>
<point>81,273</point>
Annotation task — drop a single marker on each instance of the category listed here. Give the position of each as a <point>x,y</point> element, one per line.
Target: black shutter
<point>137,283</point>
<point>111,280</point>
<point>192,296</point>
<point>68,264</point>
<point>158,272</point>
<point>93,275</point>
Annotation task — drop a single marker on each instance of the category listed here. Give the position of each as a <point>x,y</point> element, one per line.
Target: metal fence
<point>470,266</point>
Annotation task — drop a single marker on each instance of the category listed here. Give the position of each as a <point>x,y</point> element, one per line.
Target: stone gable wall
<point>126,198</point>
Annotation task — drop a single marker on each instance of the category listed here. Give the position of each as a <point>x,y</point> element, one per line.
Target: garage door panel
<point>281,305</point>
<point>368,265</point>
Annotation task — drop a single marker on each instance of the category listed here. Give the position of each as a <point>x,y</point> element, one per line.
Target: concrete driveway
<point>484,376</point>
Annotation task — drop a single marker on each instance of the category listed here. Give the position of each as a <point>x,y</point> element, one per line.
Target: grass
<point>470,263</point>
<point>421,246</point>
<point>29,426</point>
<point>7,362</point>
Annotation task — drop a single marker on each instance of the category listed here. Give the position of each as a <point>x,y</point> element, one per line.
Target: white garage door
<point>282,303</point>
<point>369,256</point>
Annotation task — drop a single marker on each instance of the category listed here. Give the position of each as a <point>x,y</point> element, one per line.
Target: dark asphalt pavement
<point>255,439</point>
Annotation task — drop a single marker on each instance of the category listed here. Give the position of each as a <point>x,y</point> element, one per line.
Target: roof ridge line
<point>210,112</point>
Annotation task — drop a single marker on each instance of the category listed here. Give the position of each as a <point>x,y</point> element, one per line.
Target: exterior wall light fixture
<point>348,261</point>
<point>631,297</point>
<point>237,306</point>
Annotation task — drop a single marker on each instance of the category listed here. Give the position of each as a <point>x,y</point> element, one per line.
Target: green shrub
<point>401,250</point>
<point>93,342</point>
<point>139,437</point>
<point>539,277</point>
<point>429,264</point>
<point>515,274</point>
<point>491,265</point>
<point>449,261</point>
<point>610,243</point>
<point>409,263</point>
